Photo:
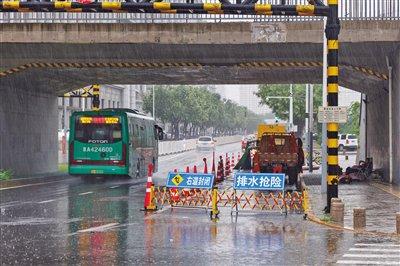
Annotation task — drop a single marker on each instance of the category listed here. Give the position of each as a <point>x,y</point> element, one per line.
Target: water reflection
<point>95,212</point>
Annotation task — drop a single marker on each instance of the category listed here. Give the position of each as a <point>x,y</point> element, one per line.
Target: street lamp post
<point>154,106</point>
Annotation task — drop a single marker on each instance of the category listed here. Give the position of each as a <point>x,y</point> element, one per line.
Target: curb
<point>33,180</point>
<point>313,218</point>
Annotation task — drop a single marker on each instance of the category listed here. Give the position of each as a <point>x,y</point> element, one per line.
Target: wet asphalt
<point>99,222</point>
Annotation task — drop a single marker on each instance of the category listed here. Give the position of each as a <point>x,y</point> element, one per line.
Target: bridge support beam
<point>396,115</point>
<point>28,131</point>
<point>378,123</point>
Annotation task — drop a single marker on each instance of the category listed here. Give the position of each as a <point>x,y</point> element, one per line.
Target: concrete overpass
<point>40,61</point>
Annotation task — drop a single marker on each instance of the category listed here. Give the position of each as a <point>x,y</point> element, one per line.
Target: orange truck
<point>275,151</point>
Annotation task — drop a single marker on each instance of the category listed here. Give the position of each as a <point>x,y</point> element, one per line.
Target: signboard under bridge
<point>190,180</point>
<point>259,181</point>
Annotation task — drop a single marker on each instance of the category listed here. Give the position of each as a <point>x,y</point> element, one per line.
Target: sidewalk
<point>380,200</point>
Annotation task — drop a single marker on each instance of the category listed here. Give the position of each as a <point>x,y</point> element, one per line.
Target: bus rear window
<point>98,130</point>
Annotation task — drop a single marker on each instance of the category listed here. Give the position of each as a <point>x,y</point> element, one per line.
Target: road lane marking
<point>30,185</point>
<point>377,245</point>
<point>383,250</point>
<point>391,256</point>
<point>46,201</point>
<point>85,193</point>
<point>114,186</point>
<point>372,254</point>
<point>98,228</point>
<point>367,262</point>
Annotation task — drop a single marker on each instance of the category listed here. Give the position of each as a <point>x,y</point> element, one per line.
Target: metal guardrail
<point>348,10</point>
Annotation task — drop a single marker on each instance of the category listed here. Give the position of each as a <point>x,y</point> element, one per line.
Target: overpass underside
<point>40,61</point>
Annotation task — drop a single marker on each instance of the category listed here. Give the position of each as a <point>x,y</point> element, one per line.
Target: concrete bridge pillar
<point>28,131</point>
<point>396,115</point>
<point>378,128</point>
<point>378,122</point>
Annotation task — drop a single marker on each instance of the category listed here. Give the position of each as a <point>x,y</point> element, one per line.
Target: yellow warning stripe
<point>162,6</point>
<point>307,9</point>
<point>333,44</point>
<point>333,159</point>
<point>62,5</point>
<point>263,8</point>
<point>215,7</point>
<point>333,88</point>
<point>332,179</point>
<point>333,71</point>
<point>333,2</point>
<point>10,4</point>
<point>111,5</point>
<point>332,143</point>
<point>333,127</point>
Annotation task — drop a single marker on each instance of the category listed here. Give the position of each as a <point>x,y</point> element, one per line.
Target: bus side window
<point>131,133</point>
<point>135,133</point>
<point>143,136</point>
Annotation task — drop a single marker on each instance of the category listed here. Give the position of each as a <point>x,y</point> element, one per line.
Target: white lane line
<point>383,250</point>
<point>376,245</point>
<point>85,193</point>
<point>97,228</point>
<point>46,201</point>
<point>387,256</point>
<point>367,262</point>
<point>114,186</point>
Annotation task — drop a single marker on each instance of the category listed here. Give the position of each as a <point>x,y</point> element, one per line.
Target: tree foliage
<point>280,107</point>
<point>192,110</point>
<point>353,123</point>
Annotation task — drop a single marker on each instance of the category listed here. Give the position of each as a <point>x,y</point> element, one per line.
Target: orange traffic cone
<point>195,169</point>
<point>148,199</point>
<point>239,157</point>
<point>233,161</point>
<point>205,165</point>
<point>187,169</point>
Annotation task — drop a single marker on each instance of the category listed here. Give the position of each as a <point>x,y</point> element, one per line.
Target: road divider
<point>178,146</point>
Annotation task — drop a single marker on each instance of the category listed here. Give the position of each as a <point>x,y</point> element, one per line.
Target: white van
<point>348,142</point>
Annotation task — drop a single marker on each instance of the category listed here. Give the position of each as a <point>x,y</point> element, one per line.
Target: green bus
<point>112,142</point>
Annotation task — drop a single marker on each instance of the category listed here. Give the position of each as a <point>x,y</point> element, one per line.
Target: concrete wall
<point>28,131</point>
<point>377,129</point>
<point>396,115</point>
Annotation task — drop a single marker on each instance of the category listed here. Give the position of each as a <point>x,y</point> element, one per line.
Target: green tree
<point>280,107</point>
<point>353,123</point>
<point>193,109</point>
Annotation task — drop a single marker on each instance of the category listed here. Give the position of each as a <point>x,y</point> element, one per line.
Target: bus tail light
<point>71,153</point>
<point>123,160</point>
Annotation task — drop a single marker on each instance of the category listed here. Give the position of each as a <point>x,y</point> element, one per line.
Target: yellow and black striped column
<point>332,34</point>
<point>96,97</point>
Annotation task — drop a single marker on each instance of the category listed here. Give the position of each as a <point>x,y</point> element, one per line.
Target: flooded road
<point>100,223</point>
